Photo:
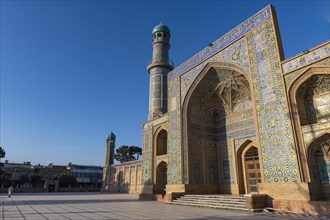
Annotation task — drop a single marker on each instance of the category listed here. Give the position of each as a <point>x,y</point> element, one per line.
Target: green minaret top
<point>161,27</point>
<point>111,136</point>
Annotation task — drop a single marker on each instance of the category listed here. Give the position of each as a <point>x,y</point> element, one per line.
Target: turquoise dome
<point>111,136</point>
<point>161,27</point>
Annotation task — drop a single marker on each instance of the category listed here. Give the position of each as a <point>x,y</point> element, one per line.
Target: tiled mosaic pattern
<point>174,137</point>
<point>147,148</point>
<point>222,42</point>
<point>240,141</point>
<point>319,159</point>
<point>226,154</point>
<point>275,134</point>
<point>236,53</point>
<point>313,100</point>
<point>292,76</point>
<point>208,125</point>
<point>306,59</point>
<point>147,154</point>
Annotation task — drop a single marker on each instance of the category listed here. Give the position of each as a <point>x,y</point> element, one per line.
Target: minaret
<point>110,141</point>
<point>110,148</point>
<point>158,68</point>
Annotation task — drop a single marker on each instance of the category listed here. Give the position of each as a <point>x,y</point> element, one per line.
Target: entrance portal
<point>161,177</point>
<point>219,111</point>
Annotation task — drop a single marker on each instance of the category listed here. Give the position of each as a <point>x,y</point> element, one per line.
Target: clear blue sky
<point>71,71</point>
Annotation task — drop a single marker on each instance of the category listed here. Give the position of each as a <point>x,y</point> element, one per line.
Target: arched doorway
<point>120,181</point>
<point>313,97</point>
<point>309,97</point>
<point>319,164</point>
<point>161,177</point>
<point>161,144</point>
<point>252,172</point>
<point>218,109</point>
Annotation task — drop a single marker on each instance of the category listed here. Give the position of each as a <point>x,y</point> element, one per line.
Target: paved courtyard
<point>113,206</point>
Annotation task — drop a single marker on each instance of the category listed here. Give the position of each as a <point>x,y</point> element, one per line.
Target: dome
<point>161,27</point>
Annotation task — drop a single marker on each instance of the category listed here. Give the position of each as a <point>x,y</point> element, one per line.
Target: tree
<point>125,153</point>
<point>66,180</point>
<point>4,178</point>
<point>2,153</point>
<point>135,150</point>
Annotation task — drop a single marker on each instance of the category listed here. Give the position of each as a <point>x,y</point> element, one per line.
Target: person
<point>10,191</point>
<point>164,192</point>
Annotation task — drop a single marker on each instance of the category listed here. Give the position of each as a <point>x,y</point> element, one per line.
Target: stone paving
<point>96,206</point>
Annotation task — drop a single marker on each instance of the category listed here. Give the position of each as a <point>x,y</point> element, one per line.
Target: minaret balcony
<point>160,63</point>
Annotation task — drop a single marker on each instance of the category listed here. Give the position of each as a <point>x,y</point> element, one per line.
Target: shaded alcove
<point>219,99</point>
<point>161,144</point>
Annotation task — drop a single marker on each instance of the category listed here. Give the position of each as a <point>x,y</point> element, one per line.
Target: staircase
<point>229,202</point>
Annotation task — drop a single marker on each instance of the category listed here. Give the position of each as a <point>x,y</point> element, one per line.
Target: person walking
<point>164,192</point>
<point>10,191</point>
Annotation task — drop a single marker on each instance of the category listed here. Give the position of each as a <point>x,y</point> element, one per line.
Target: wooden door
<point>252,170</point>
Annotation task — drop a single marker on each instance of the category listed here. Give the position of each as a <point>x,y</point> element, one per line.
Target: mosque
<point>236,118</point>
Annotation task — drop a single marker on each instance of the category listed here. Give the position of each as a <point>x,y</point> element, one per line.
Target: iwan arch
<point>237,118</point>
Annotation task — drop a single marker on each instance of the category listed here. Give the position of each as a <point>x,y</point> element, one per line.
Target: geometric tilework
<point>208,128</point>
<point>222,42</point>
<point>174,137</point>
<point>275,134</point>
<point>306,59</point>
<point>147,154</point>
<point>292,76</point>
<point>235,53</point>
<point>147,144</point>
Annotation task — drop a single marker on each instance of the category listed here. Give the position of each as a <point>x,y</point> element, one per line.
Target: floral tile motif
<point>275,134</point>
<point>223,42</point>
<point>235,53</point>
<point>174,135</point>
<point>306,59</point>
<point>147,154</point>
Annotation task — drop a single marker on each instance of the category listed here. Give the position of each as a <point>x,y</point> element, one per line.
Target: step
<point>213,202</point>
<point>212,206</point>
<point>217,201</point>
<point>210,201</point>
<point>215,196</point>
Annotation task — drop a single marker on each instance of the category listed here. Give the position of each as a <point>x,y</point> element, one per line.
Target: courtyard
<point>115,206</point>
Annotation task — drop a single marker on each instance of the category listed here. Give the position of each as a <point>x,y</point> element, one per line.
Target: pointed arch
<point>318,156</point>
<point>222,96</point>
<point>296,116</point>
<point>248,154</point>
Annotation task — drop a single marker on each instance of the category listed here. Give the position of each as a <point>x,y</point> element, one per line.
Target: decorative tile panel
<point>306,59</point>
<point>240,141</point>
<point>222,42</point>
<point>174,137</point>
<point>147,154</point>
<point>235,53</point>
<point>226,153</point>
<point>275,134</point>
<point>311,136</point>
<point>147,147</point>
<point>290,77</point>
<point>315,127</point>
